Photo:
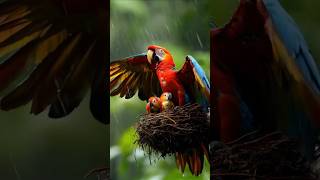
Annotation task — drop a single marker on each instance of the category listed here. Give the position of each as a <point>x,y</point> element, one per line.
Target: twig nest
<point>272,156</point>
<point>174,130</point>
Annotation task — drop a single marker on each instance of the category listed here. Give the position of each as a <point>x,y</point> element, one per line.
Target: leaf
<point>126,142</point>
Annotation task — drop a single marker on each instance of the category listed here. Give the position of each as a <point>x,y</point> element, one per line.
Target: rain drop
<point>199,40</point>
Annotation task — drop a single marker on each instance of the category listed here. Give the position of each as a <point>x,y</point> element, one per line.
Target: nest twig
<point>175,130</point>
<point>273,156</point>
<point>100,173</point>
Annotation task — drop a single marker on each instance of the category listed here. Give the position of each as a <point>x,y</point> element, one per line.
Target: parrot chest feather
<point>167,105</point>
<point>169,83</point>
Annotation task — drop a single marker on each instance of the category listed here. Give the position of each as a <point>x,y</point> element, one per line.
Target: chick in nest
<point>166,101</point>
<point>154,105</point>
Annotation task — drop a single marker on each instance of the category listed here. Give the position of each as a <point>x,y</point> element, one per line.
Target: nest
<point>174,130</point>
<point>273,156</point>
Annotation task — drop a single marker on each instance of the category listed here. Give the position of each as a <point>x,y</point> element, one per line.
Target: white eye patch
<point>160,53</point>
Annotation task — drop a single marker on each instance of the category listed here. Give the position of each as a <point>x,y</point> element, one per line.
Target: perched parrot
<point>55,50</point>
<point>264,76</point>
<point>154,72</point>
<point>166,101</point>
<point>154,105</point>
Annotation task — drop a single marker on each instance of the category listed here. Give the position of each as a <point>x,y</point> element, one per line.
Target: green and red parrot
<point>52,52</point>
<point>264,76</point>
<point>154,72</point>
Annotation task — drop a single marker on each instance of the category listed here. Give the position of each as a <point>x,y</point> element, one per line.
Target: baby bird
<point>166,101</point>
<point>154,105</point>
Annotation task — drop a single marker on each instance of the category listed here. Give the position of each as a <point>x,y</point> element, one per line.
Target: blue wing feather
<point>198,70</point>
<point>203,92</point>
<point>295,43</point>
<point>297,47</point>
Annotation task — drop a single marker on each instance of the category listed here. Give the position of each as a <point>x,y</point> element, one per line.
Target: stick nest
<point>174,130</point>
<point>273,156</point>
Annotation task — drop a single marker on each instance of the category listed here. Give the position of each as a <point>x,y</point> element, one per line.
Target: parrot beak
<point>150,56</point>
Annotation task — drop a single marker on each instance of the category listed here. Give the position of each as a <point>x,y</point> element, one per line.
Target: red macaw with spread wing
<point>264,76</point>
<point>60,46</point>
<point>154,72</point>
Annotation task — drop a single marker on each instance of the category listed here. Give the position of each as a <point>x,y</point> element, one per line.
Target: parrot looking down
<point>55,50</point>
<point>154,105</point>
<point>264,76</point>
<point>166,102</point>
<point>152,73</point>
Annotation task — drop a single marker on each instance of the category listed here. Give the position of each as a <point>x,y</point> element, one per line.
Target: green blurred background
<point>182,27</point>
<point>36,147</point>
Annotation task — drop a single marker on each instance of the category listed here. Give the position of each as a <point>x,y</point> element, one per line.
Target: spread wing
<point>292,53</point>
<point>294,42</point>
<point>195,81</point>
<point>55,52</point>
<point>134,74</point>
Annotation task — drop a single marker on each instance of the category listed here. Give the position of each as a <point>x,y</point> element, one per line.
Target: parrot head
<point>166,96</point>
<point>159,56</point>
<point>166,100</point>
<point>154,105</point>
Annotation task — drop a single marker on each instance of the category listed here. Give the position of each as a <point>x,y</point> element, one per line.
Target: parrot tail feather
<point>180,161</point>
<point>193,158</point>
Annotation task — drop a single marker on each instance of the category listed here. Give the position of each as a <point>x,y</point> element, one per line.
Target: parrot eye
<point>156,58</point>
<point>160,54</point>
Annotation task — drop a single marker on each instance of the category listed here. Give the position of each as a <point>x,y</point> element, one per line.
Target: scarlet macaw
<point>166,101</point>
<point>154,72</point>
<point>60,46</point>
<point>264,76</point>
